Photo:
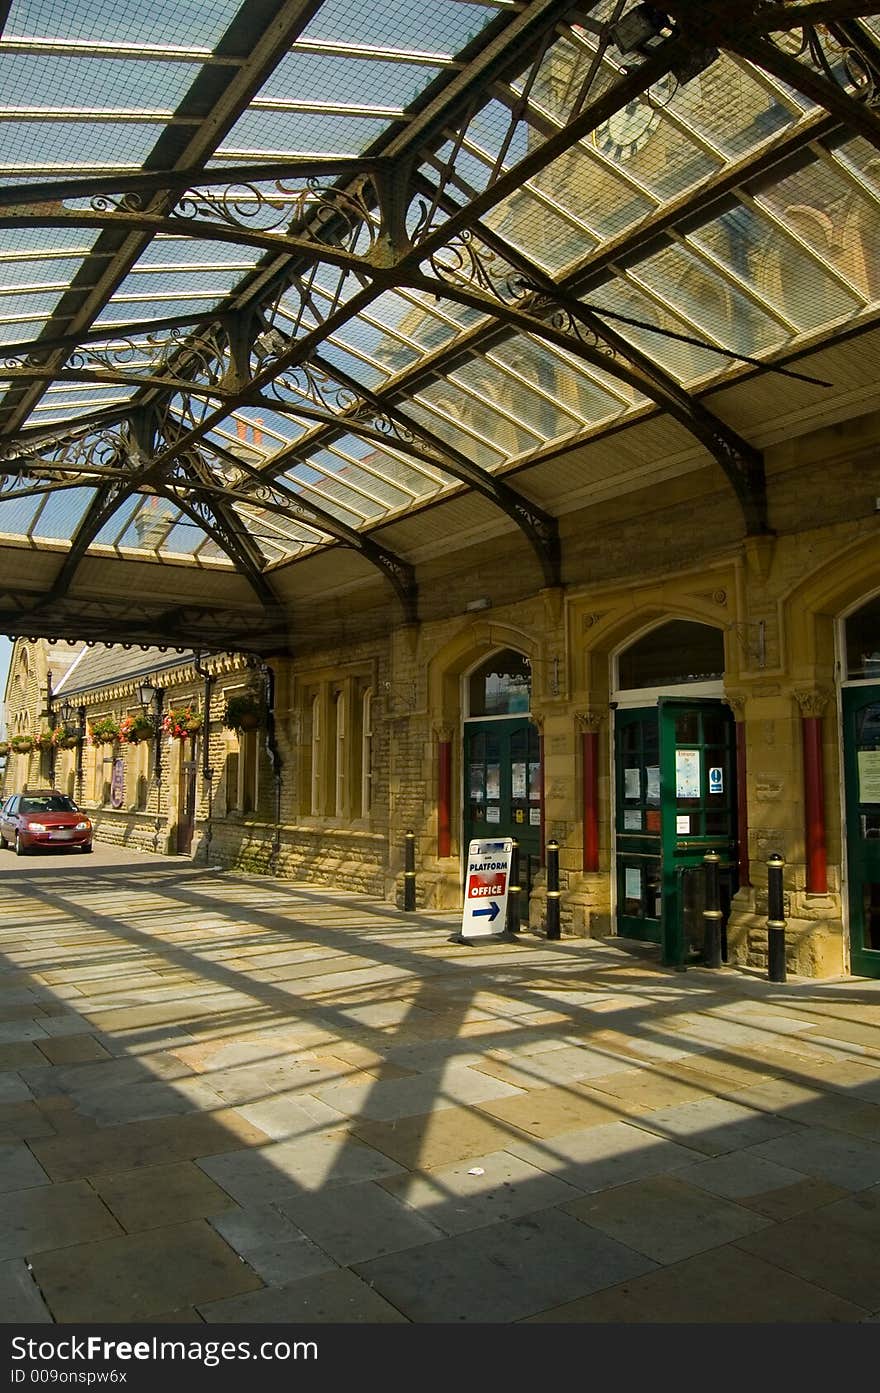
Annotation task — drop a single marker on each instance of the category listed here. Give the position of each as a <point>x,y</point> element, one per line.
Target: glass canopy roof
<point>274,274</point>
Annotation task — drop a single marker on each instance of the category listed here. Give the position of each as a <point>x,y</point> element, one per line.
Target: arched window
<point>862,631</point>
<point>500,686</point>
<point>674,653</point>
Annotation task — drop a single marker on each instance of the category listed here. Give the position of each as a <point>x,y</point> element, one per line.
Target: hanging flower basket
<point>182,723</point>
<point>21,744</point>
<point>4,748</point>
<point>133,729</point>
<point>245,711</point>
<point>66,737</point>
<point>44,740</point>
<point>104,731</point>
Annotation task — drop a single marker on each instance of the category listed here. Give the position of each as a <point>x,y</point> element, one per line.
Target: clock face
<point>629,129</point>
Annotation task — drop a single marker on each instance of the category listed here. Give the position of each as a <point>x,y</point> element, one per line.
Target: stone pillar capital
<point>590,719</point>
<point>812,700</point>
<point>444,731</point>
<point>737,703</point>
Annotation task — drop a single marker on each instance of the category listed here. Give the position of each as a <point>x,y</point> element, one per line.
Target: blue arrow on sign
<point>492,910</point>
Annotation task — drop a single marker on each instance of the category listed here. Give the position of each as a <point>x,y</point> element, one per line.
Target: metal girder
<point>540,528</point>
<point>855,114</point>
<point>683,408</point>
<point>97,620</point>
<point>399,573</point>
<point>741,462</point>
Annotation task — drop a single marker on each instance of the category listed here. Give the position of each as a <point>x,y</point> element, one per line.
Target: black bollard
<point>712,912</point>
<point>775,920</point>
<point>409,871</point>
<point>553,891</point>
<point>513,889</point>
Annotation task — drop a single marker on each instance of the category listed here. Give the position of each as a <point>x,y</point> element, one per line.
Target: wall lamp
<point>151,696</point>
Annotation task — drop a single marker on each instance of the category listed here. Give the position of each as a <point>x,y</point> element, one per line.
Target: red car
<point>43,818</point>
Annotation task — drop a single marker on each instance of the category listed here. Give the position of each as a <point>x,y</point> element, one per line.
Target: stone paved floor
<point>232,1099</point>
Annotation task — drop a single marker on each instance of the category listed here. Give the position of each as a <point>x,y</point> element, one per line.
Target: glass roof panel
<point>358,81</point>
<point>366,489</point>
<point>59,147</point>
<point>263,134</point>
<point>91,83</point>
<point>63,513</point>
<point>151,522</point>
<point>570,387</point>
<point>191,252</point>
<point>825,210</point>
<point>479,451</point>
<point>539,417</point>
<point>18,513</point>
<point>187,22</point>
<point>863,159</point>
<point>533,227</point>
<point>118,523</point>
<point>444,26</point>
<point>789,279</point>
<point>678,359</point>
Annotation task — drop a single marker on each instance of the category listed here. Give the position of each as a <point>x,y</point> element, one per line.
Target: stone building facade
<point>373,733</point>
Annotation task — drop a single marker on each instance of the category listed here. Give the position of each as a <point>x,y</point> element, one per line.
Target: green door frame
<point>515,788</point>
<point>861,734</point>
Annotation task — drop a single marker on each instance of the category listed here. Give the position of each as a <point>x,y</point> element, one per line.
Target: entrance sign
<point>486,885</point>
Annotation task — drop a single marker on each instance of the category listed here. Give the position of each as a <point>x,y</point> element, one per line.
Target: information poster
<point>869,776</point>
<point>518,781</point>
<point>117,783</point>
<point>632,883</point>
<point>652,785</point>
<point>493,813</point>
<point>534,817</point>
<point>632,819</point>
<point>632,787</point>
<point>687,773</point>
<point>683,826</point>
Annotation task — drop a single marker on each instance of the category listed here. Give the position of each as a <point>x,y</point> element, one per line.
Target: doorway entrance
<point>502,761</point>
<point>675,770</point>
<point>861,757</point>
<point>674,780</point>
<point>186,815</point>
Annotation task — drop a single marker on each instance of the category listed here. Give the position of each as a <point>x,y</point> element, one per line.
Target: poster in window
<point>534,817</point>
<point>493,813</point>
<point>632,883</point>
<point>652,820</point>
<point>477,782</point>
<point>493,781</point>
<point>517,780</point>
<point>534,781</point>
<point>869,776</point>
<point>652,785</point>
<point>683,826</point>
<point>632,819</point>
<point>632,785</point>
<point>687,773</point>
<point>117,783</point>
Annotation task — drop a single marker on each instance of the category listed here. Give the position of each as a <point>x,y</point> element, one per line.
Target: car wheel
<point>20,848</point>
<point>87,847</point>
<point>3,843</point>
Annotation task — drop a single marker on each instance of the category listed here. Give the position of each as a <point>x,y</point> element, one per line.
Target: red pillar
<point>444,798</point>
<point>543,805</point>
<point>814,805</point>
<point>590,747</point>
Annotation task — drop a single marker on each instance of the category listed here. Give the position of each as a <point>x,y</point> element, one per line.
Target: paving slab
<point>836,1247</point>
<point>544,1258</point>
<point>714,1125</point>
<point>479,1191</point>
<point>271,1243</point>
<point>147,1143</point>
<point>155,1196</point>
<point>137,1275</point>
<point>596,1158</point>
<point>20,1299</point>
<point>847,1161</point>
<point>360,1222</point>
<point>337,1298</point>
<point>18,1168</point>
<point>51,1216</point>
<point>721,1287</point>
<point>434,1139</point>
<point>665,1218</point>
<point>281,1170</point>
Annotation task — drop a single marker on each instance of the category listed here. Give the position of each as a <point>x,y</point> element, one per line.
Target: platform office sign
<point>486,884</point>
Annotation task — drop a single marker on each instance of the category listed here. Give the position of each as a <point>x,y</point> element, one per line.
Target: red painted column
<point>814,800</point>
<point>590,748</point>
<point>543,802</point>
<point>444,798</point>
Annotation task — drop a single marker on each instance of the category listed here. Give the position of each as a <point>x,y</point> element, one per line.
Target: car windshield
<point>51,803</point>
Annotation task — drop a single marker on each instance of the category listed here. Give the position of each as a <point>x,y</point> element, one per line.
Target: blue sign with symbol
<point>716,780</point>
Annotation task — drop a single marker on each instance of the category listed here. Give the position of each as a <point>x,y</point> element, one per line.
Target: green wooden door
<point>675,765</point>
<point>697,779</point>
<point>861,750</point>
<point>502,763</point>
